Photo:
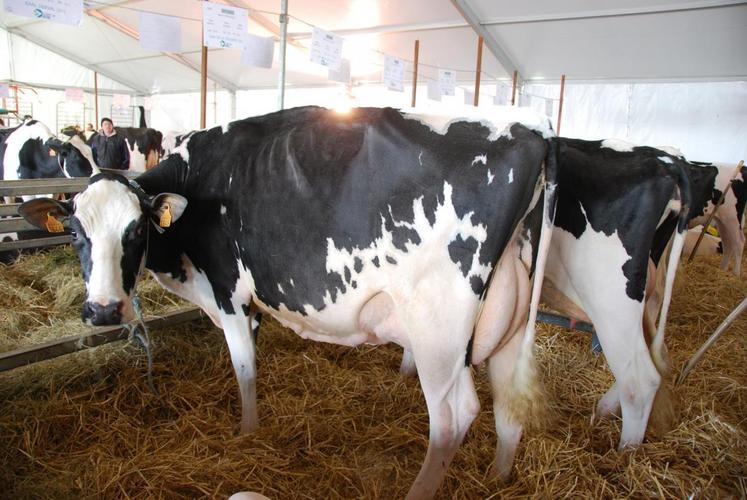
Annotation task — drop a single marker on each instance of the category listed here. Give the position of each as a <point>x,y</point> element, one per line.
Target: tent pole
<point>203,83</point>
<point>478,71</point>
<point>96,98</point>
<point>415,72</point>
<point>283,44</point>
<point>560,106</point>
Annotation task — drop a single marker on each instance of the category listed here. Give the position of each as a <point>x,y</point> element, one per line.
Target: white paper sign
<point>394,73</point>
<point>341,74</point>
<point>257,51</point>
<point>434,90</point>
<point>224,27</point>
<point>326,49</point>
<point>501,95</point>
<point>121,101</point>
<point>447,81</point>
<point>4,90</point>
<point>160,33</point>
<point>58,11</point>
<point>74,95</point>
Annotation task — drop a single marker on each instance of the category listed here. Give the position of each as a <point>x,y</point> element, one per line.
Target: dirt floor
<point>338,422</point>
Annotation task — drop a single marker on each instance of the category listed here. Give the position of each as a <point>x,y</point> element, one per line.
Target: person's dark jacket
<point>110,152</point>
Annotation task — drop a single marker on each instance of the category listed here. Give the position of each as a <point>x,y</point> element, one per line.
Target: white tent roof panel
<point>584,39</point>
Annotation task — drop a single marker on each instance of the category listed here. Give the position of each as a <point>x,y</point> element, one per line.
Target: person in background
<point>109,148</point>
<point>89,132</point>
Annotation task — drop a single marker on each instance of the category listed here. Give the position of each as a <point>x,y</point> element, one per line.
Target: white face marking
<point>222,209</point>
<point>15,142</point>
<point>618,145</point>
<point>414,268</point>
<point>480,159</point>
<point>497,120</point>
<point>665,159</point>
<point>105,209</point>
<point>511,176</point>
<point>490,177</point>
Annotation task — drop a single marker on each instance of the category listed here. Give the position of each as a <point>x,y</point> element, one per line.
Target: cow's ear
<point>46,214</point>
<point>166,208</point>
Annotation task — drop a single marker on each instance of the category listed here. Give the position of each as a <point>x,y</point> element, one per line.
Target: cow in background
<point>143,143</point>
<point>407,230</point>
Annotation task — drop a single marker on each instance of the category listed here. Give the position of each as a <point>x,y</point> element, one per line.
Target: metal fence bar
<point>35,243</point>
<point>96,337</point>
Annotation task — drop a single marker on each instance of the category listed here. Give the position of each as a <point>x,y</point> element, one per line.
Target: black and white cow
<point>729,219</point>
<point>31,151</point>
<point>144,145</point>
<point>613,201</point>
<point>368,227</point>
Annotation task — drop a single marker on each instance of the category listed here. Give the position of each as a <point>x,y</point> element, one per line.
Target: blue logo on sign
<point>223,43</point>
<point>38,13</point>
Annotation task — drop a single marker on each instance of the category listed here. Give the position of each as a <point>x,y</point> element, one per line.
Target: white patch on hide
<point>280,289</point>
<point>498,120</point>
<point>665,159</point>
<point>511,176</point>
<point>85,151</point>
<point>223,210</point>
<point>14,143</point>
<point>423,266</point>
<point>670,150</point>
<point>420,158</point>
<point>618,145</point>
<point>291,282</point>
<point>480,159</point>
<point>182,150</point>
<point>137,158</point>
<point>490,177</point>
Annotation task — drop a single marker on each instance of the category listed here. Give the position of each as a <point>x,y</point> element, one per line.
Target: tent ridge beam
<point>468,13</point>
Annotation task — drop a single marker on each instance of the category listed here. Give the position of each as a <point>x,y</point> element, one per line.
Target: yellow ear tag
<point>53,225</point>
<point>165,216</point>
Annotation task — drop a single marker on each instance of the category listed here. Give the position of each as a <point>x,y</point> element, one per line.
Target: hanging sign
<point>160,33</point>
<point>394,73</point>
<point>341,74</point>
<point>224,27</point>
<point>326,48</point>
<point>447,81</point>
<point>58,11</point>
<point>121,101</point>
<point>257,51</point>
<point>74,95</point>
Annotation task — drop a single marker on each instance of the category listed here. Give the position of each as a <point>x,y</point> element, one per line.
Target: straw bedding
<point>339,422</point>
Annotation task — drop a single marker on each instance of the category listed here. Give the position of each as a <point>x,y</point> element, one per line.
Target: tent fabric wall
<point>706,121</point>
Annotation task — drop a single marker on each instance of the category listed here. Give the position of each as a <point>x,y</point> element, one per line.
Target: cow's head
<point>74,157</point>
<point>109,222</point>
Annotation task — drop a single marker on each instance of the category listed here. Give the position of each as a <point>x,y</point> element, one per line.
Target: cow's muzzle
<point>99,314</point>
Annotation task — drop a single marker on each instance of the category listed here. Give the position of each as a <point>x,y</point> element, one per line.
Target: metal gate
<point>123,117</point>
<point>70,114</point>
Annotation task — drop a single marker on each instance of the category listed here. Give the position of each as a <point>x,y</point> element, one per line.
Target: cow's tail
<point>142,117</point>
<point>658,353</point>
<point>525,376</point>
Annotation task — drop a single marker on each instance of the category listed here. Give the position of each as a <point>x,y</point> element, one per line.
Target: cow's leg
<point>637,379</point>
<point>407,367</point>
<point>506,400</point>
<point>438,339</point>
<point>733,241</point>
<point>241,346</point>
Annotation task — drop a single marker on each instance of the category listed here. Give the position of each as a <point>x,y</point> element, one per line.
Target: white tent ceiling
<point>620,40</point>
